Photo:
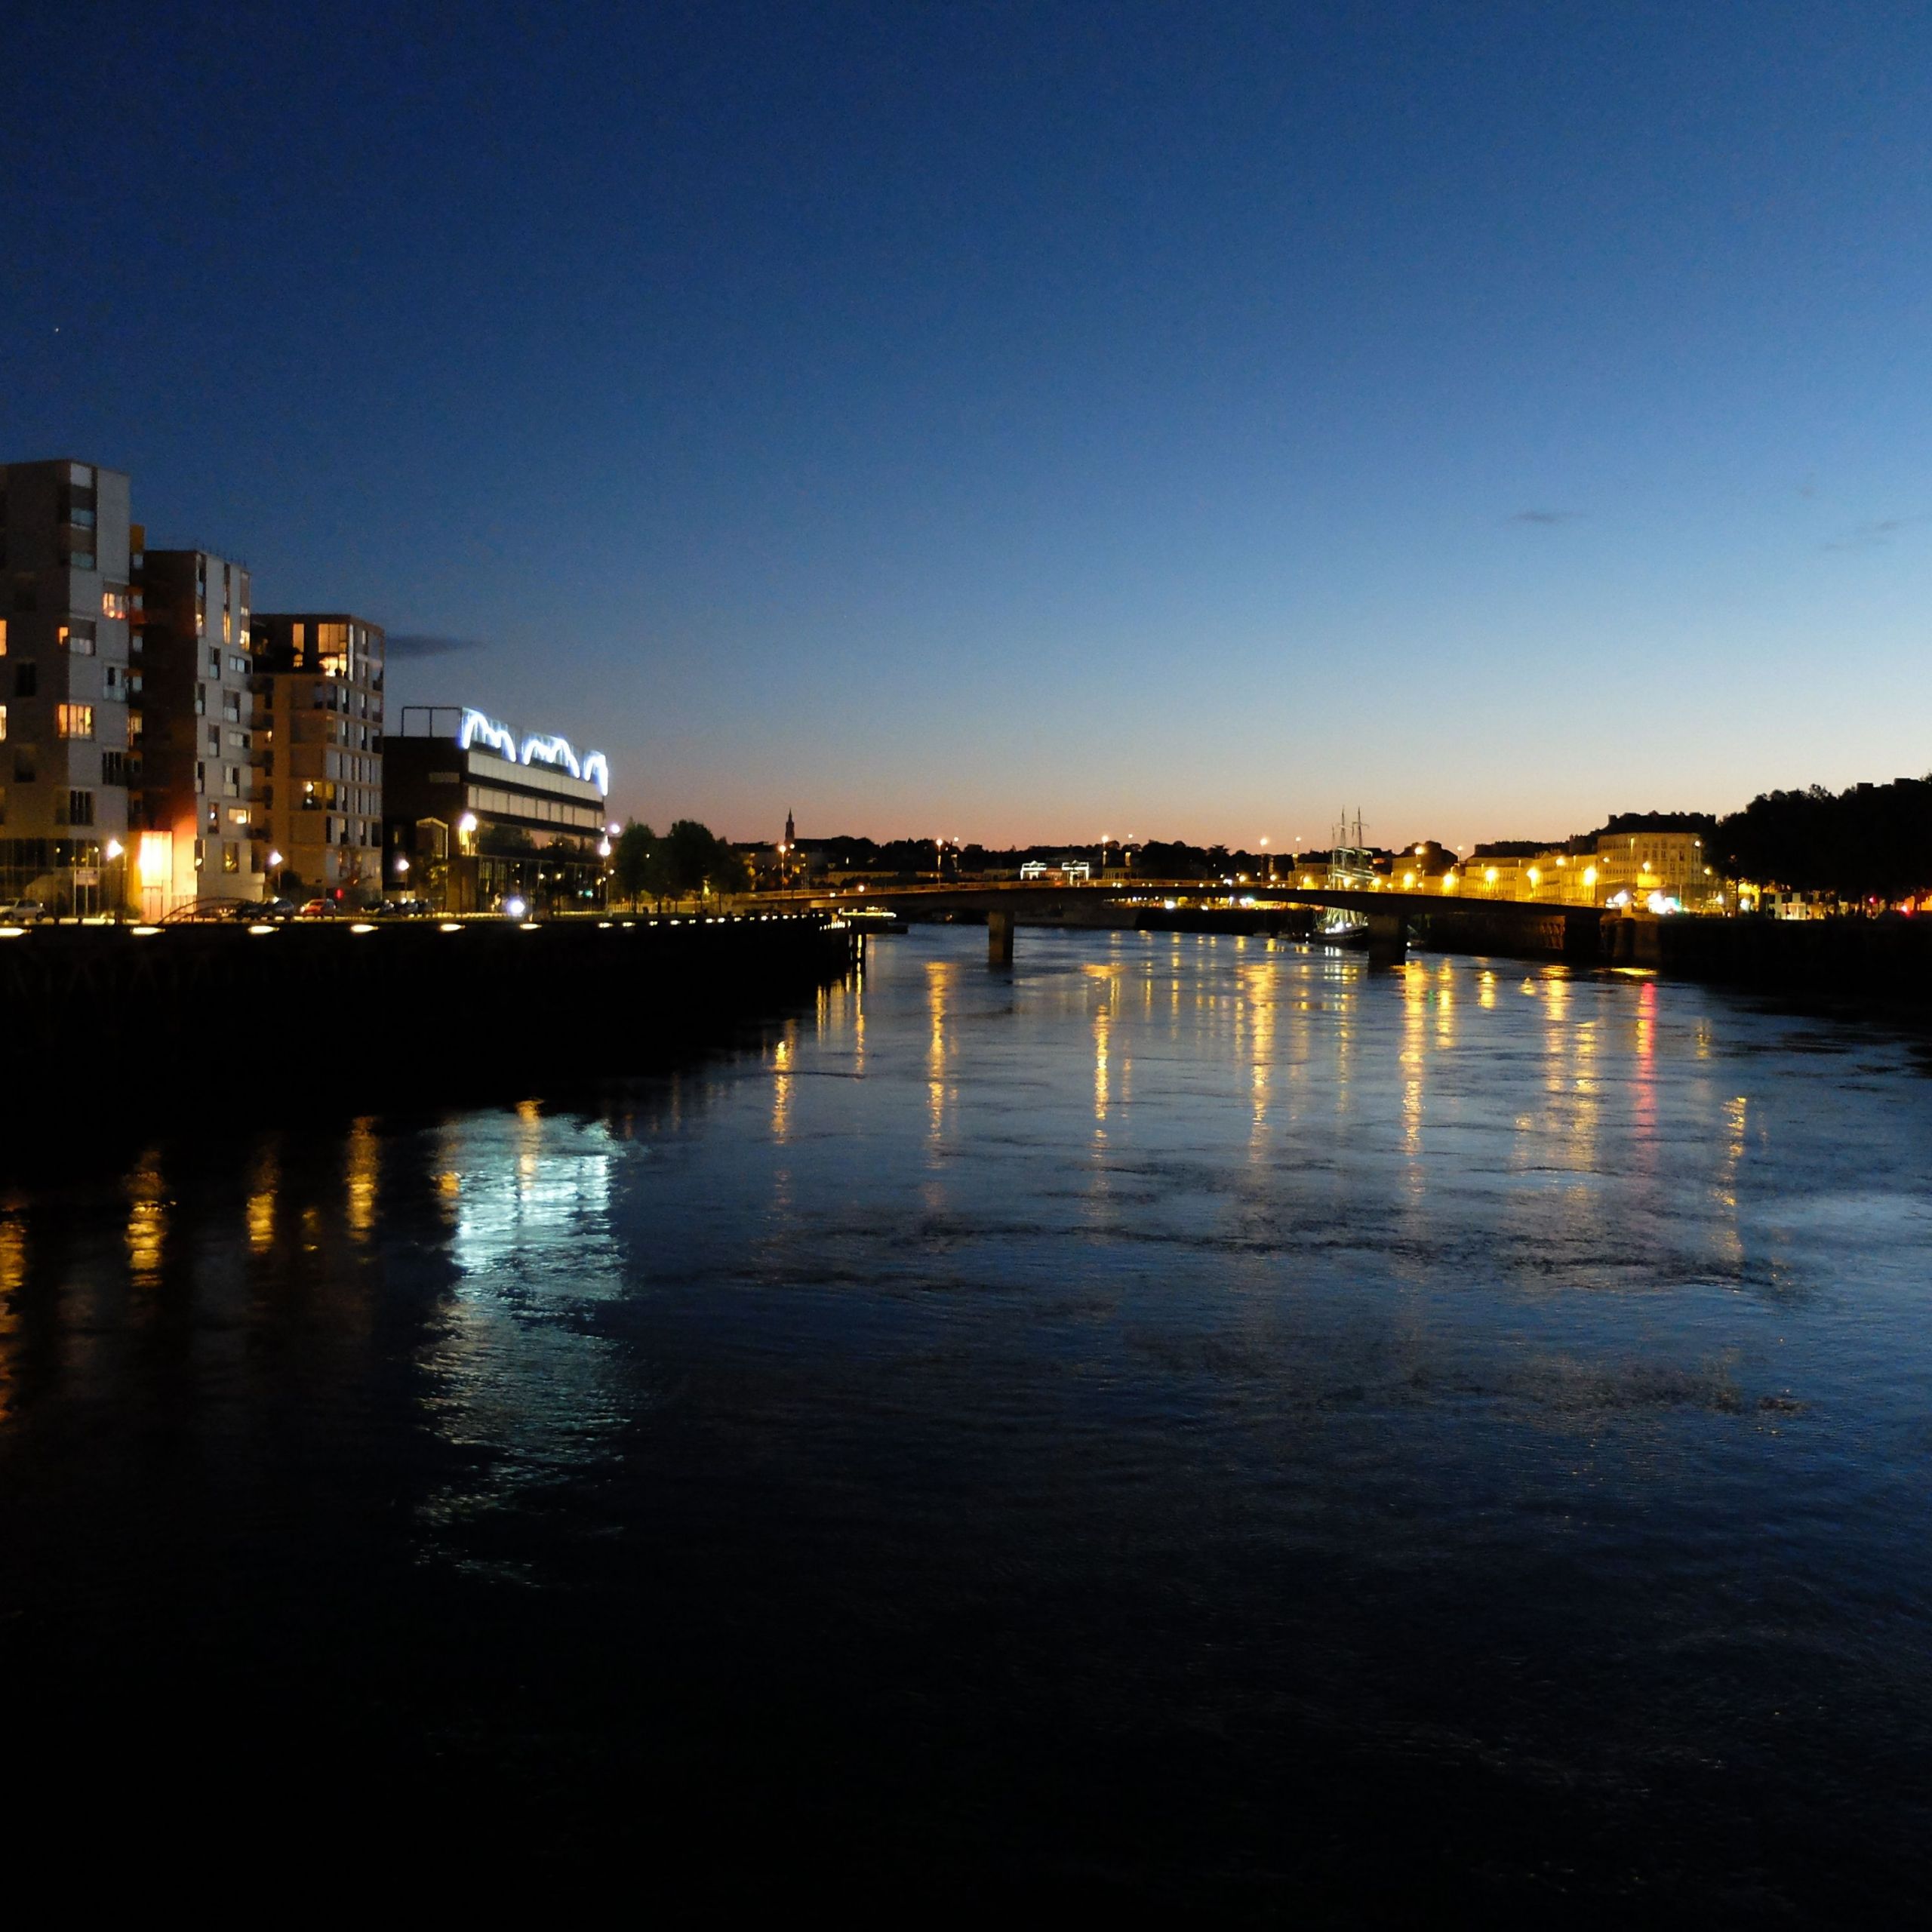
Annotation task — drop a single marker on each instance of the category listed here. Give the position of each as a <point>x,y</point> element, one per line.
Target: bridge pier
<point>1388,938</point>
<point>999,937</point>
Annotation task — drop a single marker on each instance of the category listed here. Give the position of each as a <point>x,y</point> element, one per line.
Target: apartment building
<point>319,675</point>
<point>199,833</point>
<point>66,600</point>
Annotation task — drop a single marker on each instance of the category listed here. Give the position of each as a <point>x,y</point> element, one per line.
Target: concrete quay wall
<point>1885,960</point>
<point>125,1019</point>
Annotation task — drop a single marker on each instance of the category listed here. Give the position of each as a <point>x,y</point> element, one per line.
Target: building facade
<point>67,648</point>
<point>319,677</point>
<point>477,816</point>
<point>199,831</point>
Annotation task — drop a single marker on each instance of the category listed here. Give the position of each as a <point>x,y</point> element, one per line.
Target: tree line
<point>1867,842</point>
<point>687,862</point>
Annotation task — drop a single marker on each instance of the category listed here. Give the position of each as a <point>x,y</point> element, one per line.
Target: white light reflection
<point>525,1382</point>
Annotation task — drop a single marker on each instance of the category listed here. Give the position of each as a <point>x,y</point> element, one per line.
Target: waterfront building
<point>321,674</point>
<point>1658,870</point>
<point>475,815</point>
<point>66,646</point>
<point>198,832</point>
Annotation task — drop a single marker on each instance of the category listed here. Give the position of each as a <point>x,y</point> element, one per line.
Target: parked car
<point>24,913</point>
<point>405,909</point>
<point>319,908</point>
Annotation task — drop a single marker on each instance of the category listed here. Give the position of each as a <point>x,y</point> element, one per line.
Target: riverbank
<point>157,1022</point>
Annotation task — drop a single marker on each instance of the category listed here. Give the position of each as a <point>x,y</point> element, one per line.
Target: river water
<point>1191,1420</point>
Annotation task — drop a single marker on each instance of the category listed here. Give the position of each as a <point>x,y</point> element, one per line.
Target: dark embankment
<point>124,1024</point>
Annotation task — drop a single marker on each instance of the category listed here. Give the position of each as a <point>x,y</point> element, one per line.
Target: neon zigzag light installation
<point>551,750</point>
<point>498,737</point>
<point>537,748</point>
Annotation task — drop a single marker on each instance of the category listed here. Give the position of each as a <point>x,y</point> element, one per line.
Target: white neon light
<point>498,736</point>
<point>597,771</point>
<point>551,750</point>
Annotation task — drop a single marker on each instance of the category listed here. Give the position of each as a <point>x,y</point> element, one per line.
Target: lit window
<point>74,721</point>
<point>230,858</point>
<point>3,637</point>
<point>227,627</point>
<point>77,638</point>
<point>239,815</point>
<point>3,724</point>
<point>113,600</point>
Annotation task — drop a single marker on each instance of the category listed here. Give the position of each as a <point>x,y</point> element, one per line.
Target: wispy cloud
<point>1547,516</point>
<point>417,644</point>
<point>1871,536</point>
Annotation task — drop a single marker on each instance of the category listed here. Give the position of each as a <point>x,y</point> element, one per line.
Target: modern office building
<point>66,598</point>
<point>198,833</point>
<point>475,816</point>
<point>320,676</point>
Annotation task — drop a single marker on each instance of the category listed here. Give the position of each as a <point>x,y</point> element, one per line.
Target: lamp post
<point>113,853</point>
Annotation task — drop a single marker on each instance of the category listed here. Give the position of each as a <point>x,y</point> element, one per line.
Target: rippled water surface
<point>1189,1421</point>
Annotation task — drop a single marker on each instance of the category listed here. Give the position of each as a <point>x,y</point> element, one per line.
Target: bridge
<point>1465,922</point>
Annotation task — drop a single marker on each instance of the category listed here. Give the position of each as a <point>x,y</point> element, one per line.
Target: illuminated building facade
<point>198,832</point>
<point>66,649</point>
<point>476,815</point>
<point>1658,871</point>
<point>320,673</point>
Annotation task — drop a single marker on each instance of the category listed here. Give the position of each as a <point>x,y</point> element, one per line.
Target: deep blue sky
<point>1032,421</point>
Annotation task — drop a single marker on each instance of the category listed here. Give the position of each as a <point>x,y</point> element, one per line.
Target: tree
<point>634,864</point>
<point>691,846</point>
<point>697,858</point>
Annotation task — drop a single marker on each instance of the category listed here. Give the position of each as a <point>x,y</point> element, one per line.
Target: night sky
<point>1015,422</point>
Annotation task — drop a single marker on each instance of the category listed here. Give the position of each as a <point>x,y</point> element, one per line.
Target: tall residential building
<point>66,599</point>
<point>198,833</point>
<point>320,673</point>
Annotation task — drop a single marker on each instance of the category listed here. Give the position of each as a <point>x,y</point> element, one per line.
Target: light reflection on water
<point>1519,1372</point>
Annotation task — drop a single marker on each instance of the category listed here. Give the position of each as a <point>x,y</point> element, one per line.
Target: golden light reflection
<point>1258,987</point>
<point>529,1144</point>
<point>1415,1035</point>
<point>1443,995</point>
<point>1102,1020</point>
<point>782,1055</point>
<point>1730,1241</point>
<point>939,974</point>
<point>13,1278</point>
<point>361,1155</point>
<point>147,1223</point>
<point>263,1187</point>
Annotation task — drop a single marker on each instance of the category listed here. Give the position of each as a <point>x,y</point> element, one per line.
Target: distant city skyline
<point>1023,424</point>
